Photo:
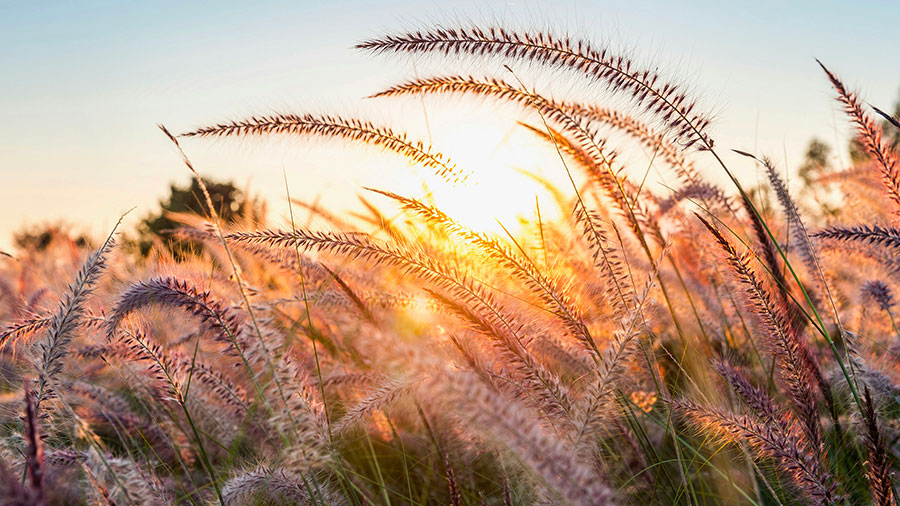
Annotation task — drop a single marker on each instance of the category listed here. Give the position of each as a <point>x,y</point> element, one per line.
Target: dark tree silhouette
<point>228,200</point>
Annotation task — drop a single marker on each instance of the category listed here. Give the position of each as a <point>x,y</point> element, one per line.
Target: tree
<point>816,163</point>
<point>40,237</point>
<point>230,204</point>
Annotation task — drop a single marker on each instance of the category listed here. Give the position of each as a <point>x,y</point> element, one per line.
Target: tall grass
<point>694,347</point>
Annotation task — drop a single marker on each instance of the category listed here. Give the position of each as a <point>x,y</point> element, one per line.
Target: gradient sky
<point>83,85</point>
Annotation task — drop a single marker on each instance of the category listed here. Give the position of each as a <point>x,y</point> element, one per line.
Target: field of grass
<point>709,345</point>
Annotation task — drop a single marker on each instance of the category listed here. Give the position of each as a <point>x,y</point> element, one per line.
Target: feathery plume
<point>871,135</point>
<point>645,88</point>
<point>521,267</point>
<point>796,366</point>
<point>877,464</point>
<point>276,484</point>
<point>215,318</point>
<point>880,293</point>
<point>768,441</point>
<point>875,235</point>
<point>797,228</point>
<point>66,320</point>
<point>514,426</point>
<point>335,126</point>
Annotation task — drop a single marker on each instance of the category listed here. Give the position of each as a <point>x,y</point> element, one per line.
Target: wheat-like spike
<point>578,126</point>
<point>768,441</point>
<point>380,398</point>
<point>22,329</point>
<point>273,483</point>
<point>769,254</point>
<point>126,480</point>
<point>306,413</point>
<point>798,230</point>
<point>164,369</point>
<point>283,381</point>
<point>452,485</point>
<point>619,293</point>
<point>552,395</point>
<point>286,262</point>
<point>887,257</point>
<point>232,394</point>
<point>612,365</point>
<point>351,295</point>
<point>475,360</point>
<point>875,235</point>
<point>523,268</point>
<point>757,399</point>
<point>762,406</point>
<point>360,246</point>
<point>880,292</point>
<point>768,251</point>
<point>388,300</point>
<point>650,139</point>
<point>335,126</point>
<point>588,149</point>
<point>517,428</point>
<point>280,484</point>
<point>66,320</point>
<point>610,369</point>
<point>496,88</point>
<point>107,399</point>
<point>645,88</point>
<point>378,218</point>
<point>871,135</point>
<point>656,142</point>
<point>634,211</point>
<point>219,320</point>
<point>797,368</point>
<point>878,463</point>
<point>571,363</point>
<point>64,457</point>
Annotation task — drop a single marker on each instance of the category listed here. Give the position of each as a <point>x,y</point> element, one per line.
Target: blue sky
<point>85,83</point>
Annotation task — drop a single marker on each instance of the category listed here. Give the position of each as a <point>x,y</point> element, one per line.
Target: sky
<point>84,84</point>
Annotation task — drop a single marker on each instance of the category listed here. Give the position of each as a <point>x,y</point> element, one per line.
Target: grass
<point>699,347</point>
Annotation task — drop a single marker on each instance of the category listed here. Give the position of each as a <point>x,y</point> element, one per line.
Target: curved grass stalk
<point>871,135</point>
<point>67,318</point>
<point>479,306</point>
<point>644,87</point>
<point>522,268</point>
<point>335,126</point>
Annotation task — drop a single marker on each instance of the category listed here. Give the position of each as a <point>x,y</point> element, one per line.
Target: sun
<point>497,193</point>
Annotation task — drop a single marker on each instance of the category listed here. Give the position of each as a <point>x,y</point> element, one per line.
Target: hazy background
<point>83,85</point>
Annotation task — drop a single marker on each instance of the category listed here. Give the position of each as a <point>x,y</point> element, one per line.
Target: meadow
<point>711,344</point>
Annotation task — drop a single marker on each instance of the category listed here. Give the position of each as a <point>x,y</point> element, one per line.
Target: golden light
<point>496,190</point>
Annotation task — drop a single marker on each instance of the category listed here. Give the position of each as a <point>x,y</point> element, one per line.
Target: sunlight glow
<point>496,189</point>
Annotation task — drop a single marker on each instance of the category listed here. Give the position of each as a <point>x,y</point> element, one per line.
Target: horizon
<point>90,83</point>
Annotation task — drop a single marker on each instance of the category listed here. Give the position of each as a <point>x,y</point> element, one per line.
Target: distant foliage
<point>41,237</point>
<point>229,202</point>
